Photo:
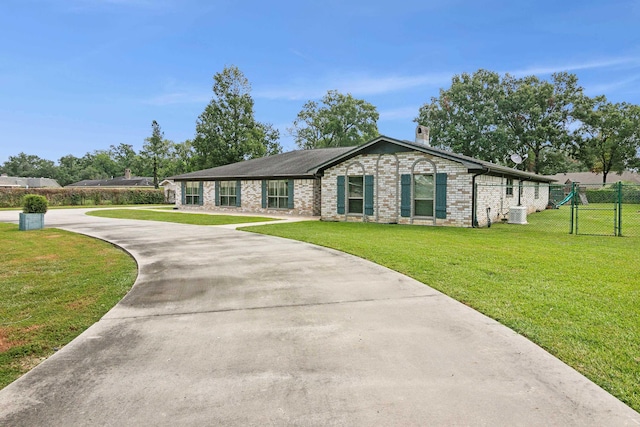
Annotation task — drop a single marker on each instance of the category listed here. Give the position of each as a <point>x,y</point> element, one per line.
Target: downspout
<point>521,189</point>
<point>474,197</point>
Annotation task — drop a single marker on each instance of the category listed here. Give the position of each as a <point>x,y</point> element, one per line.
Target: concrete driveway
<point>231,328</point>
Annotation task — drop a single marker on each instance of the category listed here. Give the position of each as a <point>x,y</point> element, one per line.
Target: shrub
<point>630,194</point>
<point>12,197</point>
<point>32,203</point>
<point>602,196</point>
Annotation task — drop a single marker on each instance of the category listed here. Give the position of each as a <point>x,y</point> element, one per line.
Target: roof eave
<point>471,166</point>
<point>243,177</point>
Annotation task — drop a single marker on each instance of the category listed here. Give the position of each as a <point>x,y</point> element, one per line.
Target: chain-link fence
<point>587,209</point>
<point>610,210</point>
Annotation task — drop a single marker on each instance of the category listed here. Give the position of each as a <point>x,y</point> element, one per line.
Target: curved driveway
<point>232,328</point>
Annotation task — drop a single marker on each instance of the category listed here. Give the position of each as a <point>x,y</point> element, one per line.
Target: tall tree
<point>465,118</point>
<point>125,157</point>
<point>227,131</point>
<point>99,165</point>
<point>537,115</point>
<point>26,165</point>
<point>69,169</point>
<point>338,121</point>
<point>554,162</point>
<point>96,165</point>
<point>181,158</point>
<point>489,117</point>
<point>610,135</point>
<point>155,150</point>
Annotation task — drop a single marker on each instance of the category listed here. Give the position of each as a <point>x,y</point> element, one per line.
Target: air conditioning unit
<point>518,215</point>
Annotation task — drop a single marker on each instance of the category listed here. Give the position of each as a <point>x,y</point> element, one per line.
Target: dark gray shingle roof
<point>299,163</point>
<point>306,163</point>
<point>135,181</point>
<point>14,181</point>
<point>596,178</point>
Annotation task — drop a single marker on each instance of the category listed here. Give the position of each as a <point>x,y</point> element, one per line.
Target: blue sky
<point>81,75</point>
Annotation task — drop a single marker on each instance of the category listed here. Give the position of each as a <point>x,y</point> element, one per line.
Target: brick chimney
<point>127,173</point>
<point>422,135</point>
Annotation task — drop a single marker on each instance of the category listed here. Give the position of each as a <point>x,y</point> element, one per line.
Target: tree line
<point>551,124</point>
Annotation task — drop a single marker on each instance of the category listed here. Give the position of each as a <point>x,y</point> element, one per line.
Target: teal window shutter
<point>183,192</point>
<point>441,195</point>
<point>341,194</point>
<point>217,193</point>
<point>405,195</point>
<point>264,194</point>
<point>201,193</point>
<point>368,194</point>
<point>238,191</point>
<point>290,194</point>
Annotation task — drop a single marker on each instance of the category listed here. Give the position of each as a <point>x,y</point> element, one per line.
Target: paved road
<point>231,328</point>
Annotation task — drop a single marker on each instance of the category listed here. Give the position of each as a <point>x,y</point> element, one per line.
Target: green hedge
<point>602,196</point>
<point>630,194</point>
<point>12,197</point>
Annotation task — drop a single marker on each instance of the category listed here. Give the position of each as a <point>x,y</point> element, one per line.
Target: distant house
<point>589,178</point>
<point>384,180</point>
<point>19,182</point>
<point>125,181</point>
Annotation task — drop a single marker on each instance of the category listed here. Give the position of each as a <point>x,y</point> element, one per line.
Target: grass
<point>53,285</point>
<point>576,296</point>
<point>182,218</point>
<point>599,219</point>
<point>592,219</point>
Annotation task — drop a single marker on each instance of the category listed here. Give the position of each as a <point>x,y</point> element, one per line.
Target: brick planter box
<point>31,221</point>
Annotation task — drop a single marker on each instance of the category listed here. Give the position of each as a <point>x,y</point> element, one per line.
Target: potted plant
<point>33,209</point>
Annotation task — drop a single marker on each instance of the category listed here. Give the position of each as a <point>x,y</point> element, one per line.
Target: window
<point>423,190</point>
<point>536,190</point>
<point>192,194</point>
<point>228,194</point>
<point>509,186</point>
<point>278,194</point>
<point>355,194</point>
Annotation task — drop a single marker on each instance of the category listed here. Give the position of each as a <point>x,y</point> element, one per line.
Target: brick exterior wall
<point>306,199</point>
<point>313,197</point>
<point>387,169</point>
<point>492,193</point>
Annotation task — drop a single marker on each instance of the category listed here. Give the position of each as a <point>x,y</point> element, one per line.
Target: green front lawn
<point>576,296</point>
<point>179,217</point>
<point>53,285</point>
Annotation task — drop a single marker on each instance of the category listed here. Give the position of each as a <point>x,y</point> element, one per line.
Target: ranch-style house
<point>384,180</point>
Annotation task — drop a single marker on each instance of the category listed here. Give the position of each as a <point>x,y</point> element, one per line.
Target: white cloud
<point>172,98</point>
<point>611,86</point>
<point>84,6</point>
<point>588,65</point>
<point>116,2</point>
<point>367,85</point>
<point>364,84</point>
<point>289,93</point>
<point>358,85</point>
<point>401,113</point>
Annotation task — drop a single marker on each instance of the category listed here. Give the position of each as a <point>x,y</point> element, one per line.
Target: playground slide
<point>566,199</point>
